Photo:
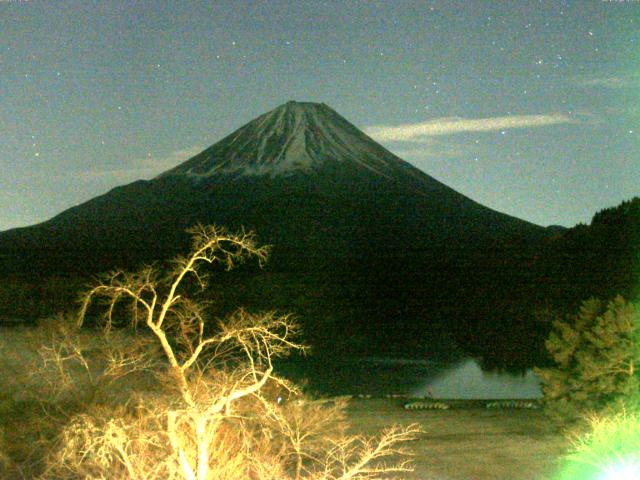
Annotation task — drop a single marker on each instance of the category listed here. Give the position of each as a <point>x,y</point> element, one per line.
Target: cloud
<point>436,150</point>
<point>621,81</point>
<point>146,167</point>
<point>420,132</point>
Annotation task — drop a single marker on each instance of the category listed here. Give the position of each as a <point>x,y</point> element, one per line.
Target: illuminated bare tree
<point>213,416</point>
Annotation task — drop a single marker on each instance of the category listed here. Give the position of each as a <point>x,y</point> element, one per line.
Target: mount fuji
<point>351,224</point>
<point>300,175</point>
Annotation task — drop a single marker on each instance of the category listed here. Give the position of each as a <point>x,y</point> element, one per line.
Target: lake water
<point>461,379</point>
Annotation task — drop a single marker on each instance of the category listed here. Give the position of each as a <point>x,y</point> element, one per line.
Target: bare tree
<point>212,415</point>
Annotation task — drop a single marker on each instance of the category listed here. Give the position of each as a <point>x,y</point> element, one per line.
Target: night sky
<point>531,108</point>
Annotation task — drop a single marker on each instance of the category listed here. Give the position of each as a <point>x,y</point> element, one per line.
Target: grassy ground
<point>468,444</point>
<point>461,444</point>
<point>458,444</point>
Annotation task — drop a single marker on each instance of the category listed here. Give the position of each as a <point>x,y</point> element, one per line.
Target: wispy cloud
<point>419,132</point>
<point>142,168</point>
<point>613,82</point>
<point>431,150</point>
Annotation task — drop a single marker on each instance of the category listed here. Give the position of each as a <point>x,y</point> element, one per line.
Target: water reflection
<point>462,379</point>
<point>466,380</point>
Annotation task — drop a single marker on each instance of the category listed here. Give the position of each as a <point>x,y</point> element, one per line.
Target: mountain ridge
<point>262,147</point>
<point>313,133</point>
<point>370,251</point>
<point>362,192</point>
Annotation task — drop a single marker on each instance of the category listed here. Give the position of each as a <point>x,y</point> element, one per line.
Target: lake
<point>453,378</point>
<point>460,379</point>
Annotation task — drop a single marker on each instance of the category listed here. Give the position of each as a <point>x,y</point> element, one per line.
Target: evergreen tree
<point>596,354</point>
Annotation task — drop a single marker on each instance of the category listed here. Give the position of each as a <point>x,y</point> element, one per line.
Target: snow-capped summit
<point>306,179</point>
<point>294,137</point>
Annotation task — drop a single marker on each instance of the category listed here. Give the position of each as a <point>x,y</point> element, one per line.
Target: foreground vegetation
<point>172,398</point>
<point>596,354</point>
<point>593,389</point>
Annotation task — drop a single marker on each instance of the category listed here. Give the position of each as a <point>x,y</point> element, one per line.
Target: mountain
<point>302,176</point>
<point>291,139</point>
<point>362,239</point>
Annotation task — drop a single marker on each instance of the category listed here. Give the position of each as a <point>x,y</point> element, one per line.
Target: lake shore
<point>468,441</point>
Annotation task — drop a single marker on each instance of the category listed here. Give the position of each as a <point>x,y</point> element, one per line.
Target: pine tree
<point>596,354</point>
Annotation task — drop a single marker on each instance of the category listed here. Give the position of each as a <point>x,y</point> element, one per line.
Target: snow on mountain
<point>294,137</point>
<point>304,177</point>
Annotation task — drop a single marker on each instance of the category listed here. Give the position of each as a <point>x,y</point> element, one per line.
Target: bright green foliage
<point>610,451</point>
<point>596,355</point>
<point>5,461</point>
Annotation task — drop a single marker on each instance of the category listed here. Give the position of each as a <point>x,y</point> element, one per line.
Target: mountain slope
<point>298,173</point>
<point>365,245</point>
<point>295,137</point>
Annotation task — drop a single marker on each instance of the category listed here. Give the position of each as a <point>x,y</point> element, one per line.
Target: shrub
<point>596,355</point>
